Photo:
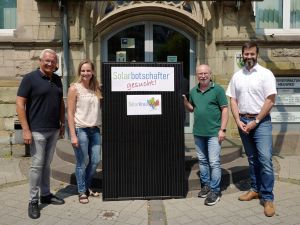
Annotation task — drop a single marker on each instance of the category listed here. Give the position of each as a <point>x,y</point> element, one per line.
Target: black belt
<point>248,115</point>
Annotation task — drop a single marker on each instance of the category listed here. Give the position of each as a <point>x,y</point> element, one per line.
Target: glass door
<point>153,42</point>
<point>130,41</point>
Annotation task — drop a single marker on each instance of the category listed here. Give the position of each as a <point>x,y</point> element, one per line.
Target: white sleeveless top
<point>88,109</point>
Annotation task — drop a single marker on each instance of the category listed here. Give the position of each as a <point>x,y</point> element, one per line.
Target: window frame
<point>7,32</point>
<point>286,30</point>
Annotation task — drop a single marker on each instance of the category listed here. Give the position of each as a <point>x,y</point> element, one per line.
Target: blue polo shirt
<point>207,109</point>
<point>44,98</point>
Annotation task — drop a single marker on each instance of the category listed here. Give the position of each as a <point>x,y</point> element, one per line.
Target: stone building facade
<point>210,32</point>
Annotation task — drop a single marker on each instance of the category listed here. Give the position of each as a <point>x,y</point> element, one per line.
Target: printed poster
<point>142,79</point>
<point>143,105</point>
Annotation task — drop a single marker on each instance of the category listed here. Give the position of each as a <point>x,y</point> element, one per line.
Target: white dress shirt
<point>251,88</point>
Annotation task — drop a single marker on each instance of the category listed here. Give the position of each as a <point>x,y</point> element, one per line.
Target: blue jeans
<point>208,151</point>
<point>89,148</point>
<point>41,151</point>
<point>258,148</point>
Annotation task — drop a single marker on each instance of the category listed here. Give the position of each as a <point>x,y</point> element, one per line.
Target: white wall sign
<point>291,117</point>
<point>142,78</point>
<point>291,99</point>
<point>288,82</point>
<point>143,105</point>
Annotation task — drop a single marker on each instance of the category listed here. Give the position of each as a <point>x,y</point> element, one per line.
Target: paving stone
<point>188,211</point>
<point>134,220</point>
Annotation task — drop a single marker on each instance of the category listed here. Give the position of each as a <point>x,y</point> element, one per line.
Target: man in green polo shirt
<point>209,104</point>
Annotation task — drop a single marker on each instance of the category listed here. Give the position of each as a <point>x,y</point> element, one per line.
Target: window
<point>8,16</point>
<point>278,17</point>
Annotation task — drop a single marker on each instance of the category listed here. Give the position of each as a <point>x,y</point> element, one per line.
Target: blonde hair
<point>94,83</point>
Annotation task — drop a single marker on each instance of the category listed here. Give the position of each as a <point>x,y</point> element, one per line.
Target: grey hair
<point>49,51</point>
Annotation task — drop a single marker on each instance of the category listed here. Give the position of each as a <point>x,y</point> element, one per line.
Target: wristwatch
<point>257,121</point>
<point>224,130</point>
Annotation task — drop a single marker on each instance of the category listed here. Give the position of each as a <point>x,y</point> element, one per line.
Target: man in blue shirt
<point>40,108</point>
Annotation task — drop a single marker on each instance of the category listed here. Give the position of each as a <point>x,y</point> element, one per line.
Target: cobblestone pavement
<point>189,210</point>
<point>192,211</point>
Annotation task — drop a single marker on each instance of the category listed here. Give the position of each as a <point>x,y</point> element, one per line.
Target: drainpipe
<point>63,6</point>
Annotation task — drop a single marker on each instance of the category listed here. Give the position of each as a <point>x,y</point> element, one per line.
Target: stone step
<point>234,167</point>
<point>65,171</point>
<point>232,173</point>
<point>227,155</point>
<point>231,150</point>
<point>227,143</point>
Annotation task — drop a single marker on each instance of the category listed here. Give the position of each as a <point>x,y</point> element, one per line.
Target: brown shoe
<point>249,196</point>
<point>269,209</point>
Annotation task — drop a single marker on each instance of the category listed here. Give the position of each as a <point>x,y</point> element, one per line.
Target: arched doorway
<point>153,42</point>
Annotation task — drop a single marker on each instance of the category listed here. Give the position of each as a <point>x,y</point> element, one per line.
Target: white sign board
<point>291,99</point>
<point>290,117</point>
<point>143,105</point>
<point>288,82</point>
<point>142,79</point>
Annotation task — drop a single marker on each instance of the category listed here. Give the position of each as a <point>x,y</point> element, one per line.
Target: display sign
<point>289,99</point>
<point>143,105</point>
<point>121,56</point>
<point>171,58</point>
<point>288,82</point>
<point>289,117</point>
<point>127,43</point>
<point>142,79</point>
<point>239,62</point>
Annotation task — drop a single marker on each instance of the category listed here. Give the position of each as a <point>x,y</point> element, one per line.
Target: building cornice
<point>260,42</point>
<point>45,44</point>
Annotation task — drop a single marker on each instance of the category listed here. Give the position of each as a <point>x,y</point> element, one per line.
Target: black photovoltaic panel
<point>143,156</point>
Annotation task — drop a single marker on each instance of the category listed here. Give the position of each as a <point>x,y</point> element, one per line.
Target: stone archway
<point>183,15</point>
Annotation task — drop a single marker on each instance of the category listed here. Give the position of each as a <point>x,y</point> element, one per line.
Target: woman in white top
<point>84,120</point>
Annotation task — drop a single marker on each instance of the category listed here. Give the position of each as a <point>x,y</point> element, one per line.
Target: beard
<point>249,63</point>
<point>204,82</point>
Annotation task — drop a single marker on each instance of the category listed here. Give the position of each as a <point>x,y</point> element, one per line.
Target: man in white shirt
<point>252,92</point>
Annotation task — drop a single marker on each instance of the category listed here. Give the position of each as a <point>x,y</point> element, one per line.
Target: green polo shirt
<point>207,109</point>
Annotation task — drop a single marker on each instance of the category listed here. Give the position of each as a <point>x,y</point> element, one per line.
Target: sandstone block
<point>7,124</point>
<point>5,137</point>
<point>5,150</point>
<point>7,71</point>
<point>22,55</point>
<point>286,52</point>
<point>8,95</point>
<point>9,82</point>
<point>6,62</point>
<point>8,54</point>
<point>7,110</point>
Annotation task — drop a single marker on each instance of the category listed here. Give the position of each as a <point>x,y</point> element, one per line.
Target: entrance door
<point>153,42</point>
